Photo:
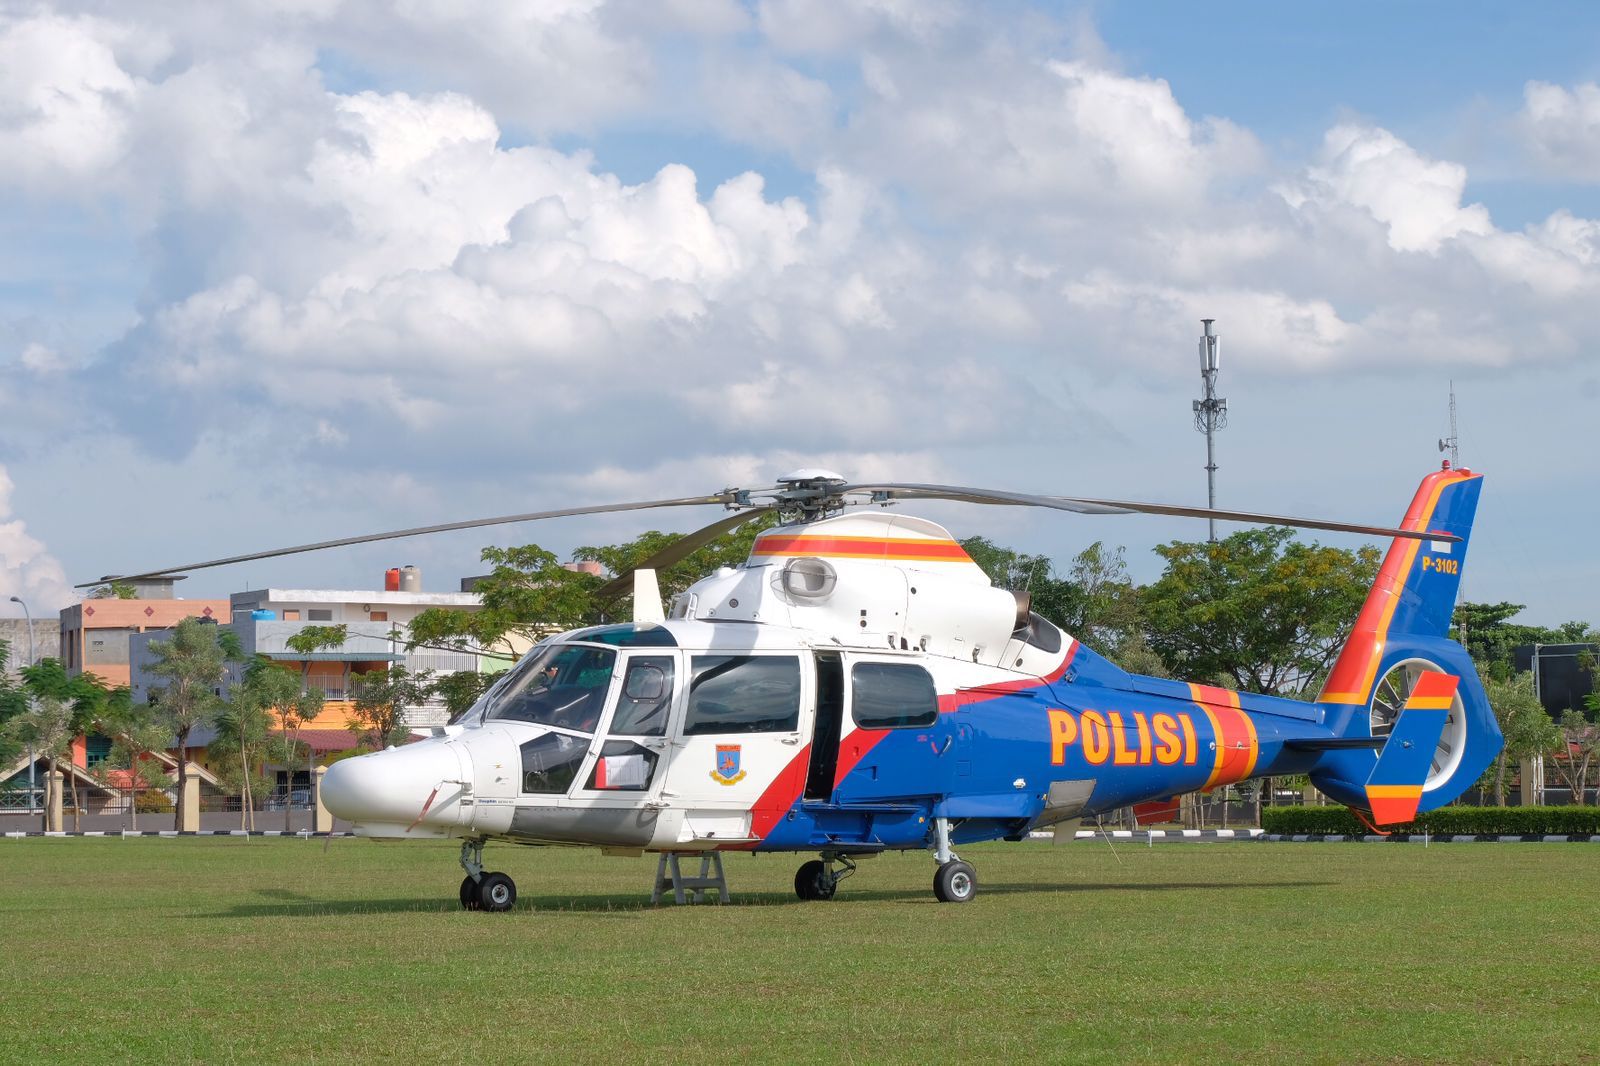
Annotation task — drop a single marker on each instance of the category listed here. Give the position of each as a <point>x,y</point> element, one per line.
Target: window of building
<point>291,616</point>
<point>319,614</point>
<point>744,694</point>
<point>892,696</point>
<point>646,697</point>
<point>377,616</point>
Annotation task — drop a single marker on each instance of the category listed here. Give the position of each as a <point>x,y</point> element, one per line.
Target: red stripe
<point>865,546</point>
<point>980,693</point>
<point>1435,686</point>
<point>779,797</point>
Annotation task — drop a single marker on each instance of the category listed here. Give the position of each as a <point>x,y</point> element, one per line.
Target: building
<point>96,635</point>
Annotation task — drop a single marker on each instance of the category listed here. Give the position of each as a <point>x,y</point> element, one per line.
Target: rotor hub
<point>809,494</point>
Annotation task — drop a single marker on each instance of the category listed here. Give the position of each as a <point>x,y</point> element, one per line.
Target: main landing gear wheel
<point>497,892</point>
<point>955,882</point>
<point>815,881</point>
<point>469,893</point>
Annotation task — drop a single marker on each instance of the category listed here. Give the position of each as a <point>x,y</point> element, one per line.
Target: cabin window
<point>744,694</point>
<point>892,696</point>
<point>623,766</point>
<point>646,697</point>
<point>550,762</point>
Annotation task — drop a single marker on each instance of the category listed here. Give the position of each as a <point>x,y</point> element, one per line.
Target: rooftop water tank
<point>410,579</point>
<point>263,616</point>
<point>391,579</point>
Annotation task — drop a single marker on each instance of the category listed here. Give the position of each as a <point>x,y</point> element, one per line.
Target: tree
<point>280,692</point>
<point>1259,610</point>
<point>529,594</point>
<point>1576,753</point>
<point>1491,638</point>
<point>86,698</point>
<point>244,727</point>
<point>138,735</point>
<point>193,662</point>
<point>381,700</point>
<point>460,689</point>
<point>1054,598</point>
<point>45,728</point>
<point>313,639</point>
<point>13,702</point>
<point>1528,730</point>
<point>115,590</point>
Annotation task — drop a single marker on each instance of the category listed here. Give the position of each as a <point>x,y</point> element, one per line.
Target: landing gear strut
<point>484,891</point>
<point>955,881</point>
<point>818,879</point>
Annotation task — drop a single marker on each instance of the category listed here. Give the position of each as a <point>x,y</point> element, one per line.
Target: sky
<point>273,273</point>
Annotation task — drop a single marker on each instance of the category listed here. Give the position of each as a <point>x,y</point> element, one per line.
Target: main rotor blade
<point>397,534</point>
<point>1085,505</point>
<point>679,550</point>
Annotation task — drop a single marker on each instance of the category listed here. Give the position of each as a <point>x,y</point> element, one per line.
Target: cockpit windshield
<point>561,685</point>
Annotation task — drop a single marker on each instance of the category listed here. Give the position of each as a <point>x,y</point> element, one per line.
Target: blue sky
<point>286,273</point>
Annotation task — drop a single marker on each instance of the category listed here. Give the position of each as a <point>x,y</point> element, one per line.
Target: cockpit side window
<point>563,685</point>
<point>646,697</point>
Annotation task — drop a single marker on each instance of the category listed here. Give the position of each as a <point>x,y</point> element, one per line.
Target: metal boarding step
<point>690,888</point>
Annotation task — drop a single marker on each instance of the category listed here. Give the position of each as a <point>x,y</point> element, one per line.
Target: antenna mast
<point>1452,443</point>
<point>1211,413</point>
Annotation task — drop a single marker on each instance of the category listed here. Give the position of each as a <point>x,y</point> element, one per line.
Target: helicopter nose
<point>419,783</point>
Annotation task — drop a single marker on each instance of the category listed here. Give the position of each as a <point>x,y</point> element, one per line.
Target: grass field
<point>224,950</point>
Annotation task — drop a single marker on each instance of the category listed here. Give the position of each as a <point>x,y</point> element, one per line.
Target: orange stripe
<point>1430,703</point>
<point>1394,791</point>
<point>1353,675</point>
<point>1222,751</point>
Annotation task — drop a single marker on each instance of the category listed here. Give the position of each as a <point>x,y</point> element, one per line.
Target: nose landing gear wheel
<point>497,892</point>
<point>469,894</point>
<point>955,882</point>
<point>814,881</point>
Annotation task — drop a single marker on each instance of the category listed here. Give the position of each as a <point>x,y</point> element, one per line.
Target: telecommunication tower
<point>1210,413</point>
<point>1452,443</point>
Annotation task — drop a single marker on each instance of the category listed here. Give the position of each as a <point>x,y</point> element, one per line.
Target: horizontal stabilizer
<point>1394,791</point>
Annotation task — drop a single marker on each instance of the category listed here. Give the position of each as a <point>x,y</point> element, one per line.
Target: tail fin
<point>1401,675</point>
<point>1415,593</point>
<point>1394,790</point>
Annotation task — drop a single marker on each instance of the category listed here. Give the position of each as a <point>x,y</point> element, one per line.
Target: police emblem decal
<point>727,771</point>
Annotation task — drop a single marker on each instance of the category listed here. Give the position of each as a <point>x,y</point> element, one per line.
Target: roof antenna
<point>1452,443</point>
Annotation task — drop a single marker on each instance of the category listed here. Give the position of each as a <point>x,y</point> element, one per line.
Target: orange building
<point>95,634</point>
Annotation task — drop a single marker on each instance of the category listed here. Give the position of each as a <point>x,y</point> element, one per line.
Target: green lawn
<point>224,950</point>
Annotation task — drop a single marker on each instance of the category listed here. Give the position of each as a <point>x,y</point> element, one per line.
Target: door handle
<point>789,740</point>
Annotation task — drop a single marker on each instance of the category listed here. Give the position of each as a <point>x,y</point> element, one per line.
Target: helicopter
<point>858,685</point>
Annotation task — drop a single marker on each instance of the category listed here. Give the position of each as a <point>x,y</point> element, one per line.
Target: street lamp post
<point>28,615</point>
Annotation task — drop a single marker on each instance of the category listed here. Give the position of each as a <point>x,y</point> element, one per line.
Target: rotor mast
<point>1210,413</point>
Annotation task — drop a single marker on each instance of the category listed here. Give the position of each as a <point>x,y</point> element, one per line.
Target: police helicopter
<point>858,685</point>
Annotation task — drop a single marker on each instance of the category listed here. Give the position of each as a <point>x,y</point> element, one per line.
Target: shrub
<point>152,801</point>
<point>1446,821</point>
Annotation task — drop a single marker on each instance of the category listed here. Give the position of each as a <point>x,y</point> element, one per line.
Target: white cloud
<point>27,570</point>
<point>64,99</point>
<point>1562,127</point>
<point>1418,200</point>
